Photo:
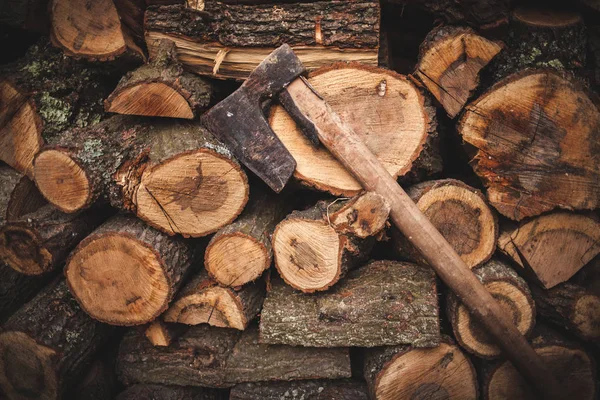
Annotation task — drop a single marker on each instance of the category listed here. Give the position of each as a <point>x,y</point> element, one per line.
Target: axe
<point>238,121</point>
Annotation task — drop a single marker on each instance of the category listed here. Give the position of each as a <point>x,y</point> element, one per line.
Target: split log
<point>384,108</point>
<point>220,357</point>
<point>46,344</point>
<point>41,95</point>
<point>572,367</point>
<point>552,247</point>
<point>161,89</point>
<point>161,392</point>
<point>18,195</point>
<point>160,333</point>
<point>510,291</point>
<point>536,134</point>
<point>450,59</point>
<point>315,248</point>
<point>39,242</point>
<point>127,273</point>
<point>203,301</point>
<point>230,40</point>
<point>171,174</point>
<point>461,214</point>
<point>403,372</point>
<point>306,390</point>
<point>383,303</point>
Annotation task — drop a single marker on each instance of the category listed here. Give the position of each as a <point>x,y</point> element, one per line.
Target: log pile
<point>139,259</point>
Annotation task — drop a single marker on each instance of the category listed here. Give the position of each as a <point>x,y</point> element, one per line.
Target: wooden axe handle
<point>350,150</point>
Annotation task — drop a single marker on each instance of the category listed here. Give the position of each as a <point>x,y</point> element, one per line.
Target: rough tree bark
<point>126,273</point>
<point>161,392</point>
<point>306,390</point>
<point>17,289</point>
<point>383,303</point>
<point>98,383</point>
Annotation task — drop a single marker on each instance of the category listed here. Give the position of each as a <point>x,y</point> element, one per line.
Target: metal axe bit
<point>238,122</point>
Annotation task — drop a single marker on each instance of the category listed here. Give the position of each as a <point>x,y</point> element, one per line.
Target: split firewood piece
<point>315,248</point>
<point>39,242</point>
<point>221,357</point>
<point>161,89</point>
<point>203,301</point>
<point>571,365</point>
<point>134,269</point>
<point>571,306</point>
<point>43,94</point>
<point>382,303</point>
<point>240,252</point>
<point>511,292</point>
<point>384,108</point>
<point>17,289</point>
<point>552,247</point>
<point>461,214</point>
<point>162,392</point>
<point>449,63</point>
<point>18,195</point>
<point>46,344</point>
<point>404,372</point>
<point>92,31</point>
<point>536,134</point>
<point>172,174</point>
<point>160,333</point>
<point>230,40</point>
<point>309,390</point>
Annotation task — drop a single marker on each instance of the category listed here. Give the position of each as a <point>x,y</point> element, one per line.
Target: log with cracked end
<point>404,372</point>
<point>553,247</point>
<point>536,134</point>
<point>316,247</point>
<point>166,392</point>
<point>461,214</point>
<point>172,174</point>
<point>126,272</point>
<point>384,108</point>
<point>160,333</point>
<point>332,389</point>
<point>46,345</point>
<point>449,63</point>
<point>511,292</point>
<point>18,195</point>
<point>382,303</point>
<point>203,301</point>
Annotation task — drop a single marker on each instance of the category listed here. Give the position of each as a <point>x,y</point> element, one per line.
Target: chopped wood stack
<point>228,290</point>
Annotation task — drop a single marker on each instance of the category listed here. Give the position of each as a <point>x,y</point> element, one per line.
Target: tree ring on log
<point>546,18</point>
<point>153,99</point>
<point>22,249</point>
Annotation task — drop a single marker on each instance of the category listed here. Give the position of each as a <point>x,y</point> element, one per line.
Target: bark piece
<point>536,134</point>
<point>230,40</point>
<point>172,174</point>
<point>161,392</point>
<point>219,357</point>
<point>305,390</point>
<point>315,248</point>
<point>203,301</point>
<point>552,247</point>
<point>18,195</point>
<point>449,63</point>
<point>161,89</point>
<point>404,372</point>
<point>126,273</point>
<point>46,344</point>
<point>160,333</point>
<point>382,303</point>
<point>384,108</point>
<point>511,292</point>
<point>461,214</point>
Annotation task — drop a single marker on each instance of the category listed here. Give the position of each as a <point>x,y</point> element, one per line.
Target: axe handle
<point>350,150</point>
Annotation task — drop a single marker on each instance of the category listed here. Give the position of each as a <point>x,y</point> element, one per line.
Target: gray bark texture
<point>301,390</point>
<point>162,392</point>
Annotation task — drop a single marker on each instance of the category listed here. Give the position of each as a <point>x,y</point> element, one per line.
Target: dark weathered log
<point>169,173</point>
<point>553,247</point>
<point>450,59</point>
<point>382,303</point>
<point>161,88</point>
<point>384,108</point>
<point>131,14</point>
<point>203,301</point>
<point>537,135</point>
<point>17,289</point>
<point>30,15</point>
<point>589,276</point>
<point>315,248</point>
<point>127,273</point>
<point>161,392</point>
<point>47,344</point>
<point>219,357</point>
<point>18,195</point>
<point>229,40</point>
<point>461,214</point>
<point>511,292</point>
<point>160,333</point>
<point>98,383</point>
<point>306,390</point>
<point>403,372</point>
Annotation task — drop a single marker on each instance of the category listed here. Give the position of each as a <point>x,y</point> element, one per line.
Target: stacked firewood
<point>140,259</point>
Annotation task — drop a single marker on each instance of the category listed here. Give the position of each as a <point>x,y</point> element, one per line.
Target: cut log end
<point>22,249</point>
<point>586,316</point>
<point>150,99</point>
<point>538,17</point>
<point>364,216</point>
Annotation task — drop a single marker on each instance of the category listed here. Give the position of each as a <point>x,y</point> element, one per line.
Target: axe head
<point>238,121</point>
